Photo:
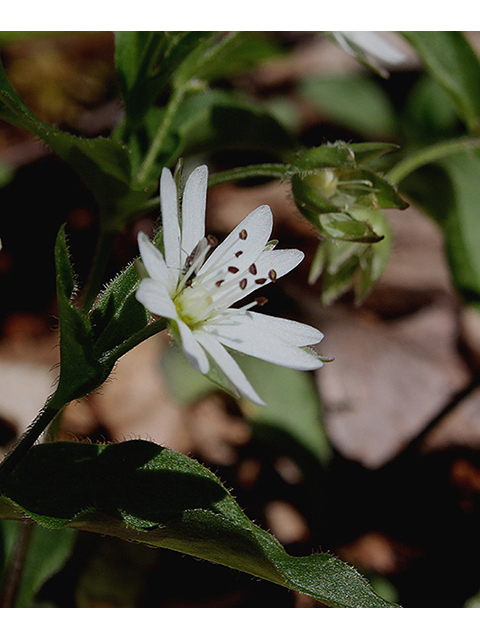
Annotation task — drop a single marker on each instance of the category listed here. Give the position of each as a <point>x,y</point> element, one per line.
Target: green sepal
<point>343,265</point>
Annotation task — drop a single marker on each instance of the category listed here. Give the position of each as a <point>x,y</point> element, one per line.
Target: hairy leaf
<point>140,491</point>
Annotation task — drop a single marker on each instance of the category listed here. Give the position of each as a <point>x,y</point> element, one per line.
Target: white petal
<point>194,352</point>
<point>256,229</point>
<point>154,296</point>
<point>193,210</point>
<point>291,332</point>
<point>254,341</point>
<point>228,365</point>
<point>375,44</point>
<point>171,227</point>
<point>154,261</point>
<point>280,261</point>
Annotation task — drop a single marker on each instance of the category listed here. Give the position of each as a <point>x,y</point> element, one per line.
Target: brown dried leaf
<point>387,380</point>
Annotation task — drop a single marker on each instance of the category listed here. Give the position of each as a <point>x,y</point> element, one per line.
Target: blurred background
<point>376,458</point>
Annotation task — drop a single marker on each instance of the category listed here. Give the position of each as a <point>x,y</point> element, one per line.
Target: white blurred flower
<point>369,47</point>
<point>196,287</point>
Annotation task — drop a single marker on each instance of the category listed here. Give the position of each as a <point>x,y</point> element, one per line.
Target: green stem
<point>152,154</point>
<point>13,578</point>
<point>34,431</point>
<point>430,154</point>
<point>103,250</point>
<point>147,332</point>
<point>207,53</point>
<point>233,175</point>
<point>251,171</point>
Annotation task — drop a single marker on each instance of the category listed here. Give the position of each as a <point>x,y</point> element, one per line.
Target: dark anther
<point>253,269</point>
<point>260,280</point>
<point>261,301</point>
<point>243,283</point>
<point>233,269</point>
<point>238,254</point>
<point>243,234</point>
<point>272,275</point>
<point>219,282</point>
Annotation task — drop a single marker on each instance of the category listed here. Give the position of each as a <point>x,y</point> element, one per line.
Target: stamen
<point>219,282</point>
<point>243,234</point>
<point>272,274</point>
<point>238,254</point>
<point>260,281</point>
<point>194,261</point>
<point>233,269</point>
<point>243,283</point>
<point>212,241</point>
<point>253,269</point>
<point>258,301</point>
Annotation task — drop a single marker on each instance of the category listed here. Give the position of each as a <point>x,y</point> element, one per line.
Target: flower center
<point>199,297</point>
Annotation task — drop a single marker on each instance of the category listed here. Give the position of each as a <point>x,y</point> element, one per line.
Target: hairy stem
<point>103,250</point>
<point>34,431</point>
<point>273,170</point>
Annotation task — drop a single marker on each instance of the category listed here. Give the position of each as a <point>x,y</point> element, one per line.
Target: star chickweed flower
<point>194,284</point>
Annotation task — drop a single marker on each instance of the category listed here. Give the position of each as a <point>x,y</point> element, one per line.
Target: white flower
<point>195,287</point>
<point>369,47</point>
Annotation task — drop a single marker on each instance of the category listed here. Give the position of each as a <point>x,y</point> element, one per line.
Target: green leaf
<point>114,574</point>
<point>140,491</point>
<point>429,114</point>
<point>245,51</point>
<point>91,344</point>
<point>103,164</point>
<point>48,550</point>
<point>354,102</point>
<point>145,62</point>
<point>462,226</point>
<point>451,61</point>
<point>216,119</point>
<point>291,418</point>
<point>117,315</point>
<point>80,370</point>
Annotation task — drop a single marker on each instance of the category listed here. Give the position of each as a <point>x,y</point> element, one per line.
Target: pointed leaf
<point>449,58</point>
<point>80,371</point>
<point>103,164</point>
<point>140,491</point>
